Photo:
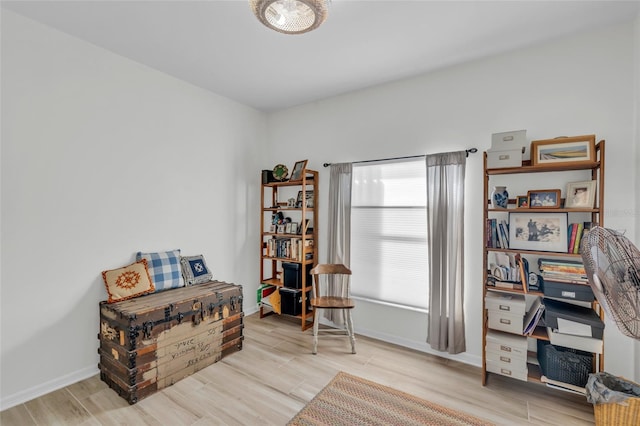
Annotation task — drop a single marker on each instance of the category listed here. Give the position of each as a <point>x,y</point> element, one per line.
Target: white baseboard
<point>420,346</point>
<point>45,388</point>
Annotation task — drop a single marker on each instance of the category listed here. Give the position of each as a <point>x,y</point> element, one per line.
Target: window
<point>389,233</point>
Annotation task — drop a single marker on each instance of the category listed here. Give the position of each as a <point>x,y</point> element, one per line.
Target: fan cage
<point>612,264</point>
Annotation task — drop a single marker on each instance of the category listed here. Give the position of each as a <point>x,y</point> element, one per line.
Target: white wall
<point>572,86</point>
<point>102,157</point>
<point>637,150</point>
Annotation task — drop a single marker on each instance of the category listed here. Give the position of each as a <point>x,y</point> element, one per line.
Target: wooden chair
<point>331,290</point>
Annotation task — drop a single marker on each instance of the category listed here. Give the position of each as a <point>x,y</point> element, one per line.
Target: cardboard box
<point>511,140</point>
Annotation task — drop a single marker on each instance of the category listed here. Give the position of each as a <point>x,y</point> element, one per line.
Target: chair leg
<point>352,335</point>
<point>316,322</point>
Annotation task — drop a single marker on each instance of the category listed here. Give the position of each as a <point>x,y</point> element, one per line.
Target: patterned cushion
<point>127,282</point>
<point>164,268</point>
<point>194,270</point>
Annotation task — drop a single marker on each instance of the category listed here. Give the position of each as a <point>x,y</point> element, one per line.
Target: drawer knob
<point>505,359</point>
<point>505,321</point>
<point>505,307</point>
<point>505,371</point>
<point>505,348</point>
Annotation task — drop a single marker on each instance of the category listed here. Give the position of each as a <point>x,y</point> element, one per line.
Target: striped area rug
<point>351,400</point>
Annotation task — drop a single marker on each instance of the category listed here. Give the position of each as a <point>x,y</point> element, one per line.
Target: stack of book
<point>575,234</point>
<point>563,271</point>
<point>286,248</point>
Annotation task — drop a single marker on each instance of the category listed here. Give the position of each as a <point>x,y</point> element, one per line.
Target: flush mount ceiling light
<point>290,16</point>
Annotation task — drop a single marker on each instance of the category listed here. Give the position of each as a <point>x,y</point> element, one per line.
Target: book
<point>571,237</point>
<point>576,248</point>
<point>571,232</point>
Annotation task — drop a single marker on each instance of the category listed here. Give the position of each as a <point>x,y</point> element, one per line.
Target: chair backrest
<point>331,279</point>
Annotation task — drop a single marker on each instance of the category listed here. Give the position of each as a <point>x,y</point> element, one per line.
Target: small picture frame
<point>272,228</point>
<point>581,194</point>
<point>563,151</point>
<point>298,171</point>
<point>294,228</point>
<point>308,199</point>
<point>538,231</point>
<point>287,228</point>
<point>522,201</point>
<point>280,229</point>
<point>544,199</point>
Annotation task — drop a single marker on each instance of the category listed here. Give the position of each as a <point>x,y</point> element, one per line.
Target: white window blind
<point>389,232</point>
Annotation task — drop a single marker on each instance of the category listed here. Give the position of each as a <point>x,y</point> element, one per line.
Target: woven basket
<point>618,415</point>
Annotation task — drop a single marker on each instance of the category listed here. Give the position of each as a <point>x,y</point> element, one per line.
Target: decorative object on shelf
<point>563,151</point>
<point>499,197</point>
<point>522,201</point>
<point>298,171</point>
<point>581,194</point>
<point>544,198</point>
<point>280,172</point>
<point>308,199</point>
<point>291,202</point>
<point>538,231</point>
<point>290,16</point>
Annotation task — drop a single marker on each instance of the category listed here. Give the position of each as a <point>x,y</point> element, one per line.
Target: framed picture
<point>575,149</point>
<point>544,198</point>
<point>522,201</point>
<point>280,229</point>
<point>308,199</point>
<point>287,228</point>
<point>298,170</point>
<point>581,194</point>
<point>538,231</point>
<point>294,228</point>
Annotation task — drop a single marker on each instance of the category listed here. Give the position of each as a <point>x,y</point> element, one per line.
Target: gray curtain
<point>339,248</point>
<point>445,237</point>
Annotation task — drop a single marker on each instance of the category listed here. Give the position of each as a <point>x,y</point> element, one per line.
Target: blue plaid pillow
<point>194,270</point>
<point>164,268</point>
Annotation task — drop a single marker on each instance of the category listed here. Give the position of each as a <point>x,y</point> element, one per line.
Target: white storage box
<point>516,139</point>
<point>505,344</point>
<point>506,322</point>
<point>520,374</point>
<point>504,158</point>
<point>508,303</point>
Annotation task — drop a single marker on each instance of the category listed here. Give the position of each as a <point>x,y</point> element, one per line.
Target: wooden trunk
<point>152,341</point>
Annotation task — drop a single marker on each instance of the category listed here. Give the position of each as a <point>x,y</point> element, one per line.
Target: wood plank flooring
<point>275,375</point>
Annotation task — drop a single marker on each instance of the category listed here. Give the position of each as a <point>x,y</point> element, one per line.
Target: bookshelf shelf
<point>492,250</point>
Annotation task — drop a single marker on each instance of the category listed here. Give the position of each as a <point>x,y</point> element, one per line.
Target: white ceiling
<point>220,46</point>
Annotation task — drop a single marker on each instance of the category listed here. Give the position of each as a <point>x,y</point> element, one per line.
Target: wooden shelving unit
<point>304,245</point>
<point>596,214</point>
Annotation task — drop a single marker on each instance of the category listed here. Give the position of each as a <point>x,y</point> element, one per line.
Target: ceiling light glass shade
<point>290,16</point>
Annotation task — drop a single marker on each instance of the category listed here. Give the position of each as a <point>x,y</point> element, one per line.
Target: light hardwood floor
<point>275,375</point>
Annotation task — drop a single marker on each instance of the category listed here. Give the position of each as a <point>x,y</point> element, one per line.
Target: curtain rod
<point>468,151</point>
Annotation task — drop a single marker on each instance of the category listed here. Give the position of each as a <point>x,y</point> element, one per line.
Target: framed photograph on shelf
<point>294,228</point>
<point>298,170</point>
<point>308,199</point>
<point>581,194</point>
<point>522,201</point>
<point>544,198</point>
<point>563,151</point>
<point>538,231</point>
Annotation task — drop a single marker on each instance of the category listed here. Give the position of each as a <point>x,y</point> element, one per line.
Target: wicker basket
<point>618,415</point>
<point>616,400</point>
